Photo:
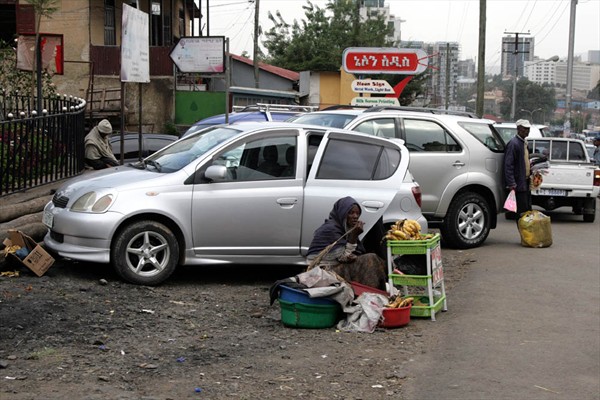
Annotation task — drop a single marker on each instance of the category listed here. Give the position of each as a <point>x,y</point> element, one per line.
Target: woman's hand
<point>358,229</point>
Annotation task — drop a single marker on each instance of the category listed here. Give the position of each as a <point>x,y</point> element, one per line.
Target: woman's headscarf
<point>334,227</point>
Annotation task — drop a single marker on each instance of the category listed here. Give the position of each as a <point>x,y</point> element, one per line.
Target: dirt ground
<point>208,333</point>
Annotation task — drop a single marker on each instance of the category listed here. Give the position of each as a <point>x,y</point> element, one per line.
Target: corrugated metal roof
<point>284,73</point>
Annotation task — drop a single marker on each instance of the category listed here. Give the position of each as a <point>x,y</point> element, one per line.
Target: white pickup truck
<point>572,180</point>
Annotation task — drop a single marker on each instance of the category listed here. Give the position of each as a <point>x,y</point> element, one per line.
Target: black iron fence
<point>37,148</point>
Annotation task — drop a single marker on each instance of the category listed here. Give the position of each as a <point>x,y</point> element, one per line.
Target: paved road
<point>523,324</point>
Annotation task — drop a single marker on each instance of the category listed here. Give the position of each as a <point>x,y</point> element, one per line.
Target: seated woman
<point>335,247</point>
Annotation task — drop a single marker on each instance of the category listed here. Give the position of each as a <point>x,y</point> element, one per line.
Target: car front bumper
<point>80,236</point>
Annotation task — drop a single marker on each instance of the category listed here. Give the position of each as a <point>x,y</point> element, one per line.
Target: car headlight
<point>93,202</point>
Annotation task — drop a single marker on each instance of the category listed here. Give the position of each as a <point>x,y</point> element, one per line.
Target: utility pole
<point>567,125</point>
<point>256,32</point>
<point>516,52</point>
<point>447,75</point>
<point>207,19</point>
<point>481,59</point>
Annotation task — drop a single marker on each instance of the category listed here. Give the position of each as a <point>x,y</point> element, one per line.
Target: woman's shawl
<point>334,227</point>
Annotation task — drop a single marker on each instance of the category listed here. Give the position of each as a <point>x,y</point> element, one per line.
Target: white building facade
<point>585,75</point>
<point>541,72</point>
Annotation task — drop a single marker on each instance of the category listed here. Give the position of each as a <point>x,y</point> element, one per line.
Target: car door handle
<point>287,202</point>
<point>458,163</point>
<point>371,205</point>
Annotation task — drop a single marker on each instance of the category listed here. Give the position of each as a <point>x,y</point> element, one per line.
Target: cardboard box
<point>38,260</point>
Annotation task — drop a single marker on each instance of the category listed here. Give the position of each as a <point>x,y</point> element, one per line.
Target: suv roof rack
<point>422,109</point>
<point>274,107</point>
<point>400,108</point>
<point>344,107</point>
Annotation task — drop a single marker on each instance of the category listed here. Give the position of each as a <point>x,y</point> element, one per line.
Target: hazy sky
<point>438,20</point>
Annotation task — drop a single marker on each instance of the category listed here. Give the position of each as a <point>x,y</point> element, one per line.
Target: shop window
<point>109,23</point>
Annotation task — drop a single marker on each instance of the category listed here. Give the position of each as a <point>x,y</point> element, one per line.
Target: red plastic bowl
<point>395,317</point>
<point>359,289</point>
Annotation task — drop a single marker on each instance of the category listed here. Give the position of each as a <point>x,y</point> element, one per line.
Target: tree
<point>42,9</point>
<point>530,96</point>
<point>317,42</point>
<point>594,94</point>
<point>15,80</point>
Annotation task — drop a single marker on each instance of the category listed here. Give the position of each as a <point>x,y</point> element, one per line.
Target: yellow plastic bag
<point>535,229</point>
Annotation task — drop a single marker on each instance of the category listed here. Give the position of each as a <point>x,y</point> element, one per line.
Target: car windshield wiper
<point>137,164</point>
<point>155,164</point>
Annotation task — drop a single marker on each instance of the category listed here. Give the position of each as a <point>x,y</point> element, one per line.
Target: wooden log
<point>9,212</point>
<point>30,224</point>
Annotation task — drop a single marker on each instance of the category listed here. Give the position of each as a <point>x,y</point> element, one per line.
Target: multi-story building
<point>443,84</point>
<point>374,8</point>
<point>519,54</point>
<point>585,75</point>
<point>466,68</point>
<point>594,56</point>
<point>540,72</point>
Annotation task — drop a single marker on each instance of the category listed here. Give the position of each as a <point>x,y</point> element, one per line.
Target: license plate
<point>551,192</point>
<point>48,219</point>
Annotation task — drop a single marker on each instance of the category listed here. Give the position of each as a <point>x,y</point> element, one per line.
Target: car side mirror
<point>216,173</point>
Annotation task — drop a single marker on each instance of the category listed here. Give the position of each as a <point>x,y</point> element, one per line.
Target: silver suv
<point>250,193</point>
<point>455,158</point>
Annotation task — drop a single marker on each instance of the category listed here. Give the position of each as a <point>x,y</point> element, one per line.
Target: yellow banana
<point>400,235</point>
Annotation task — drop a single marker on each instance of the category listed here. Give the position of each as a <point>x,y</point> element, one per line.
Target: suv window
<point>347,160</point>
<point>428,136</point>
<point>484,133</point>
<point>383,127</point>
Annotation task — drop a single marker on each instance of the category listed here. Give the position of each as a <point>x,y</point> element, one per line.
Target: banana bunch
<point>399,302</point>
<point>12,249</point>
<point>404,229</point>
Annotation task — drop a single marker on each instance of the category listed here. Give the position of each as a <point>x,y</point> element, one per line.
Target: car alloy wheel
<point>145,253</point>
<point>467,223</point>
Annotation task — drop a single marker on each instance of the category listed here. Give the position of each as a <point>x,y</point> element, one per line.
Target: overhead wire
<point>553,25</point>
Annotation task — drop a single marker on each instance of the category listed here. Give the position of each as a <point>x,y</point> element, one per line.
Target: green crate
<point>425,311</point>
<point>413,246</point>
<point>409,280</point>
<point>300,315</point>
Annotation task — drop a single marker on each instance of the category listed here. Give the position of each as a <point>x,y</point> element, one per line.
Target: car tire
<point>145,253</point>
<point>589,204</point>
<point>467,222</point>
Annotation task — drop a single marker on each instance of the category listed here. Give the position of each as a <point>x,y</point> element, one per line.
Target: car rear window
<point>346,160</point>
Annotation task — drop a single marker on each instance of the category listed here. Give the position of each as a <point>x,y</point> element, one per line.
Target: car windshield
<point>184,151</point>
<point>325,119</point>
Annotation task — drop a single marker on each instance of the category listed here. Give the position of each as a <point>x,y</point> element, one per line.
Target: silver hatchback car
<point>250,193</point>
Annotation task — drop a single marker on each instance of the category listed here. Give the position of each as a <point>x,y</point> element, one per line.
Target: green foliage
<point>317,42</point>
<point>530,96</point>
<point>12,79</point>
<point>170,129</point>
<point>27,150</point>
<point>44,8</point>
<point>594,94</point>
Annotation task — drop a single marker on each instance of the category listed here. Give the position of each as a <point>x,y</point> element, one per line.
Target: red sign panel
<point>373,60</point>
